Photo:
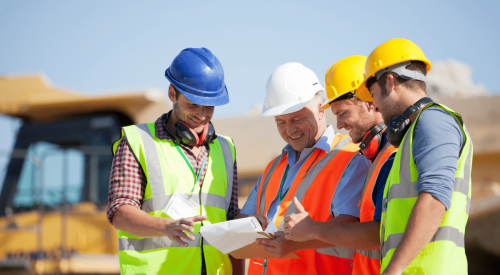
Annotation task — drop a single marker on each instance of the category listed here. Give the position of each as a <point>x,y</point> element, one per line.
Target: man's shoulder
<point>434,120</point>
<point>436,129</point>
<point>228,138</point>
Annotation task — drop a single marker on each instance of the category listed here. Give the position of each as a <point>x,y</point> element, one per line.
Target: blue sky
<point>98,46</point>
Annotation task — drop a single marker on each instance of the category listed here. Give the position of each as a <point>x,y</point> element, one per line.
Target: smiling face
<point>302,129</point>
<point>355,116</point>
<point>196,116</point>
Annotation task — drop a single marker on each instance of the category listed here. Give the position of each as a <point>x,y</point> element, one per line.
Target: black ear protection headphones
<point>186,135</point>
<point>399,124</point>
<point>372,141</point>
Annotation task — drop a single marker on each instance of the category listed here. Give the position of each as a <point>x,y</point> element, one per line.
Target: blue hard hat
<point>199,76</point>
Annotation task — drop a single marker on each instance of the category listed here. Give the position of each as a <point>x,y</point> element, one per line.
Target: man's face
<point>383,102</point>
<point>354,117</point>
<point>196,116</point>
<point>300,129</point>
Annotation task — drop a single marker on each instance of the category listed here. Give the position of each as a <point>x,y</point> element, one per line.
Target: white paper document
<point>231,235</point>
<point>180,206</point>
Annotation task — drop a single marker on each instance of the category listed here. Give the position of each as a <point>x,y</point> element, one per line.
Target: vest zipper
<point>264,265</point>
<point>203,263</point>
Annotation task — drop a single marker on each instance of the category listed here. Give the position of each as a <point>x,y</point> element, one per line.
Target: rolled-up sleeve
<point>348,193</point>
<point>437,141</point>
<point>127,182</point>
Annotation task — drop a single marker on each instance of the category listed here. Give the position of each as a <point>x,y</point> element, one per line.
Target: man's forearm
<point>138,223</point>
<point>312,244</point>
<point>423,223</point>
<point>363,235</point>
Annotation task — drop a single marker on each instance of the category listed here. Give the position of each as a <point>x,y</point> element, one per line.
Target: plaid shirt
<point>127,181</point>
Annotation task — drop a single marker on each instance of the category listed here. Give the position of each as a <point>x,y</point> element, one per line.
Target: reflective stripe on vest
<point>314,186</point>
<point>368,261</point>
<point>164,176</point>
<point>145,244</point>
<point>372,254</point>
<point>445,253</point>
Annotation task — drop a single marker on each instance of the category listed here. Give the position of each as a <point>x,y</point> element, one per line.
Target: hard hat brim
<point>283,109</point>
<point>363,93</point>
<point>217,98</point>
<point>326,104</point>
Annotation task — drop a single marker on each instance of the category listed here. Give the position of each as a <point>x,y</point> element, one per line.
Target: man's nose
<point>290,129</point>
<point>201,112</point>
<point>340,124</point>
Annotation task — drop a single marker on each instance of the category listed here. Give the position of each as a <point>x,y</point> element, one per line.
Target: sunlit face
<point>196,116</point>
<point>383,102</point>
<point>301,129</point>
<point>355,118</point>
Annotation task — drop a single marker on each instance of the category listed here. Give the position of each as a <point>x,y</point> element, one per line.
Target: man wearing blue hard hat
<point>174,175</point>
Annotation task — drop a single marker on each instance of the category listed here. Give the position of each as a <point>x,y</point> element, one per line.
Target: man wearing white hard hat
<point>318,168</point>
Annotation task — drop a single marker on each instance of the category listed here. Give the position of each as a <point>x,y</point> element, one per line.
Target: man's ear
<point>321,112</point>
<point>390,83</point>
<point>370,106</point>
<point>171,93</point>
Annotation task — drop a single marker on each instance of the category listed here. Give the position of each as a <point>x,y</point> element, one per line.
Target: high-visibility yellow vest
<point>167,172</point>
<point>445,253</point>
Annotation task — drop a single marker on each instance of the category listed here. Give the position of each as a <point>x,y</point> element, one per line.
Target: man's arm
<point>282,246</point>
<point>424,221</point>
<point>347,233</point>
<point>138,223</point>
<point>126,191</point>
<point>437,141</point>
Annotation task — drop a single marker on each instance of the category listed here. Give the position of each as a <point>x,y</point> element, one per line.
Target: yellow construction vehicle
<point>54,195</point>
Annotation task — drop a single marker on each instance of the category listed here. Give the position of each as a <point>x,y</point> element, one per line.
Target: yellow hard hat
<point>343,77</point>
<point>392,52</point>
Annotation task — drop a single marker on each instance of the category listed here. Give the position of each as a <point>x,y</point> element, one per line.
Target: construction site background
<point>59,225</point>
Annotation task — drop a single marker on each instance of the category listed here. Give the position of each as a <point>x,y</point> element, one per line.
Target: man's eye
<point>343,114</point>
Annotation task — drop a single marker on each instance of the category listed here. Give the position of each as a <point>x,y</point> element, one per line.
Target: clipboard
<point>254,250</point>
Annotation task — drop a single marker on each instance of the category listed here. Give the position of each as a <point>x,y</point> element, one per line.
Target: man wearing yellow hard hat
<point>365,126</point>
<point>427,194</point>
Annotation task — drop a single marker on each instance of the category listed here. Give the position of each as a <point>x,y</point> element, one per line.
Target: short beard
<point>365,121</point>
<point>389,107</point>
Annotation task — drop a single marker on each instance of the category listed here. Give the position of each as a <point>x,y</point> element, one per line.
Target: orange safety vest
<point>314,186</point>
<point>368,261</point>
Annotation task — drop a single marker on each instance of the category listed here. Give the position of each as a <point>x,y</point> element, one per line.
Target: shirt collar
<point>324,143</point>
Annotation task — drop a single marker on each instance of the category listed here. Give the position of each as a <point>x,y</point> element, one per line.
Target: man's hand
<point>174,229</point>
<point>262,220</point>
<point>278,246</point>
<point>299,227</point>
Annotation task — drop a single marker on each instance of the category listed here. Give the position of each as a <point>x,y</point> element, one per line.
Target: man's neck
<point>171,121</point>
<point>410,99</point>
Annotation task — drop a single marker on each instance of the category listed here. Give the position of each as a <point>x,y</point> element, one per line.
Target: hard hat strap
<point>401,70</point>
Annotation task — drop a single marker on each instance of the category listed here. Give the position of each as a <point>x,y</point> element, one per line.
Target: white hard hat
<point>289,89</point>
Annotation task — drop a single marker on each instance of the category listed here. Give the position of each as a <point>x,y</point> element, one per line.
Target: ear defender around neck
<point>186,135</point>
<point>372,141</point>
<point>399,124</point>
<point>189,137</point>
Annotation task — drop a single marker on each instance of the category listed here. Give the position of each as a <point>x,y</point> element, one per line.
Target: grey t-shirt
<point>437,142</point>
